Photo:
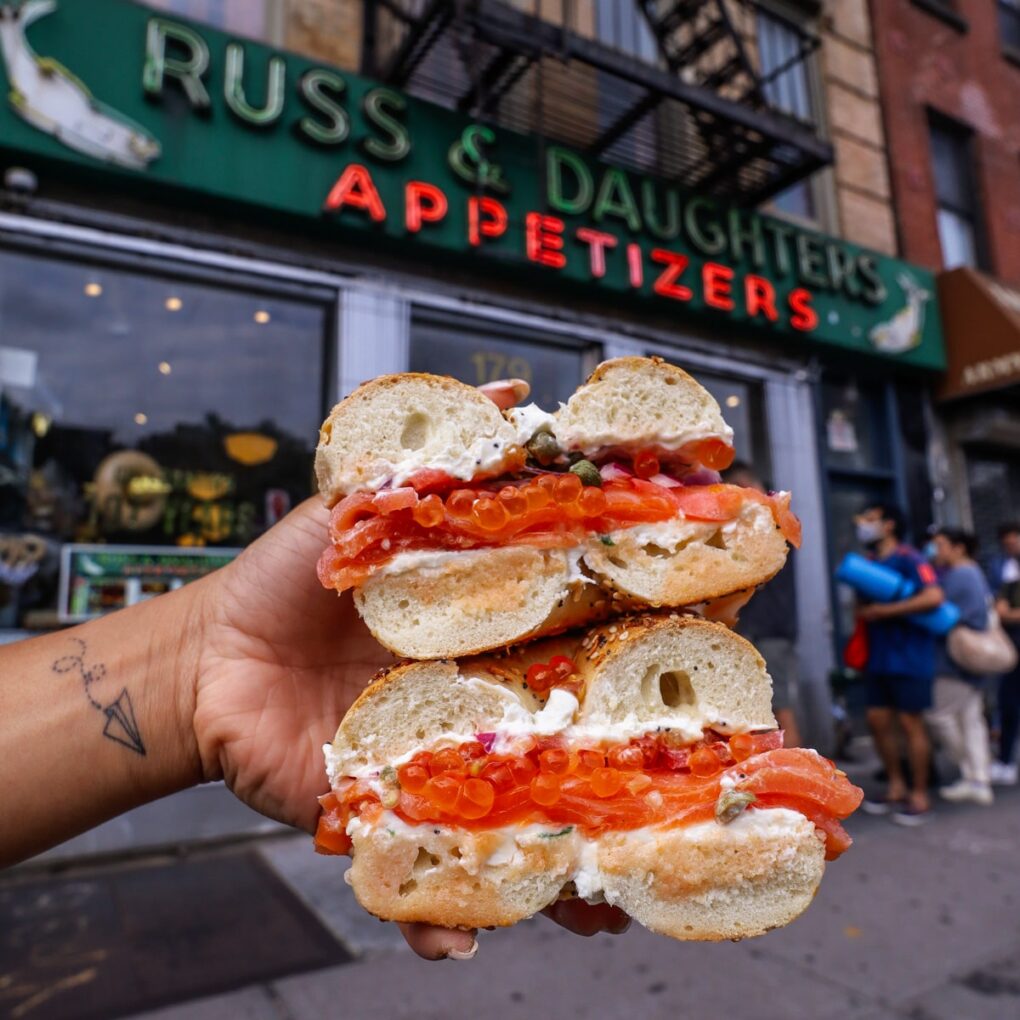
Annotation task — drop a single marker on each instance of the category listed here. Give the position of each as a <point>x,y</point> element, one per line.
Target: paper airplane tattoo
<point>121,726</point>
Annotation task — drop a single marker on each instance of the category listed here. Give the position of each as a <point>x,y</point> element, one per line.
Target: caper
<point>542,446</point>
<point>587,472</point>
<point>388,774</point>
<point>390,797</point>
<point>731,804</point>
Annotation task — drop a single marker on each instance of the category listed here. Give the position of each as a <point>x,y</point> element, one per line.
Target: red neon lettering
<point>635,267</point>
<point>666,284</point>
<point>598,241</point>
<point>760,296</point>
<point>804,317</point>
<point>355,188</point>
<point>543,239</point>
<point>423,203</point>
<point>493,224</point>
<point>716,280</point>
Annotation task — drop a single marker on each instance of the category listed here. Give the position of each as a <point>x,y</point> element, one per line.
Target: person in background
<point>769,622</point>
<point>958,718</point>
<point>1006,581</point>
<point>1004,566</point>
<point>901,665</point>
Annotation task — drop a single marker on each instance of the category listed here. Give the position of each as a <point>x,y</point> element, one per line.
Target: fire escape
<point>698,111</point>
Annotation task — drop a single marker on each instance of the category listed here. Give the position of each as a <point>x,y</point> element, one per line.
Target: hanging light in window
<point>173,304</point>
<point>93,289</point>
<point>262,316</point>
<point>733,400</point>
<point>141,418</point>
<point>165,368</point>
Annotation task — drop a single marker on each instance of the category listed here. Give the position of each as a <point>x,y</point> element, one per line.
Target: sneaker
<point>1003,774</point>
<point>967,790</point>
<point>882,806</point>
<point>911,816</point>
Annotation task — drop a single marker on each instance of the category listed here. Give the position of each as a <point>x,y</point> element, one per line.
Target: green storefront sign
<point>176,109</point>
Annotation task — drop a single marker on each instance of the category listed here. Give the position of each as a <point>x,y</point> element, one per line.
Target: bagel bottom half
<point>704,882</point>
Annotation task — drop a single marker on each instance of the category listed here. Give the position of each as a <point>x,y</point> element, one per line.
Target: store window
<point>958,211</point>
<point>478,351</point>
<point>622,25</point>
<point>147,422</point>
<point>787,87</point>
<point>1009,25</point>
<point>742,402</point>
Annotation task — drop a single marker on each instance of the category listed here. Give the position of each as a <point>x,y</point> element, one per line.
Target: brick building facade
<point>955,65</point>
<point>949,75</point>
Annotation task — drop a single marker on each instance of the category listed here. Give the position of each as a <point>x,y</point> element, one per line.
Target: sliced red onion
<point>614,471</point>
<point>703,476</point>
<point>486,740</point>
<point>666,482</point>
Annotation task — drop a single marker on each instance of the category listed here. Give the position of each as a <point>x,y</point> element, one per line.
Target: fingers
<point>432,943</point>
<point>505,393</point>
<point>588,919</point>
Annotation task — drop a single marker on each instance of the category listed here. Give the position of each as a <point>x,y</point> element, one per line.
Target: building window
<point>787,86</point>
<point>1009,24</point>
<point>620,24</point>
<point>252,18</point>
<point>958,213</point>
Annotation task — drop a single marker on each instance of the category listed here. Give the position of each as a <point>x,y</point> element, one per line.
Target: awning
<point>981,325</point>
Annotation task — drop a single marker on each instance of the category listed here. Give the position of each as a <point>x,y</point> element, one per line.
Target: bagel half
<point>432,580</point>
<point>688,698</point>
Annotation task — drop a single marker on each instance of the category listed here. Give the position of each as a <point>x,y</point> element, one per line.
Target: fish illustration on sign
<point>52,99</point>
<point>904,330</point>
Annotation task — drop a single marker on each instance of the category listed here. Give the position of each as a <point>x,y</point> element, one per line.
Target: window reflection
<point>149,410</point>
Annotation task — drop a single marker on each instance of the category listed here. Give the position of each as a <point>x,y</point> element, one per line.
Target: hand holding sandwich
<point>239,677</point>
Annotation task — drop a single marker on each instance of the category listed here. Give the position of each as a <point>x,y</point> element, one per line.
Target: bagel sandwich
<point>462,529</point>
<point>638,765</point>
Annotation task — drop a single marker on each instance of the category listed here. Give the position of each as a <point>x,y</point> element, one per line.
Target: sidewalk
<point>919,924</point>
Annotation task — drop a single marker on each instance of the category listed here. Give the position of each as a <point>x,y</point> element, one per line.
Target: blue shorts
<point>904,693</point>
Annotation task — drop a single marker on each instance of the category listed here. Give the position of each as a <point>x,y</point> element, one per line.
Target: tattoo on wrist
<point>121,726</point>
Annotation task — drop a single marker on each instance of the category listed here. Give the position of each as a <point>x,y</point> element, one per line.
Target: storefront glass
<point>146,410</point>
<point>480,351</point>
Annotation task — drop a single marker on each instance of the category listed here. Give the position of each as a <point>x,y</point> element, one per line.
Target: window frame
<point>967,137</point>
<point>945,11</point>
<point>821,184</point>
<point>1004,9</point>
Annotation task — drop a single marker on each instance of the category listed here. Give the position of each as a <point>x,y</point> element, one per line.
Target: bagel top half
<point>395,426</point>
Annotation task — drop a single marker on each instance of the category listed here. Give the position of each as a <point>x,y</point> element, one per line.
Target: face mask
<point>869,532</point>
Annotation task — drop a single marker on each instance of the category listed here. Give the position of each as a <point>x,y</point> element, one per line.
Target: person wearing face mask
<point>901,665</point>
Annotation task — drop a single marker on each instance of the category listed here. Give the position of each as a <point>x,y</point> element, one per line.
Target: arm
<point>930,597</point>
<point>1006,612</point>
<point>96,720</point>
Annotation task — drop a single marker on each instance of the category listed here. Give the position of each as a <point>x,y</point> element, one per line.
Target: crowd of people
<point>919,685</point>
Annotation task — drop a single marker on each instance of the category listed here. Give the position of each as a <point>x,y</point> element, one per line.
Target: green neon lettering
<point>187,72</point>
<point>874,291</point>
<point>237,101</point>
<point>583,185</point>
<point>781,235</point>
<point>704,231</point>
<point>381,107</point>
<point>650,205</point>
<point>615,198</point>
<point>811,261</point>
<point>319,88</point>
<point>744,235</point>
